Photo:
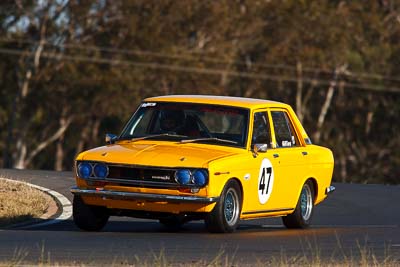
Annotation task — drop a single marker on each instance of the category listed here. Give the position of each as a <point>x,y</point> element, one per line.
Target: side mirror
<point>260,148</point>
<point>110,138</point>
<point>257,148</point>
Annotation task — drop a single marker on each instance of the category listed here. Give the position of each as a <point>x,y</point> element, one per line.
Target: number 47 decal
<point>265,180</point>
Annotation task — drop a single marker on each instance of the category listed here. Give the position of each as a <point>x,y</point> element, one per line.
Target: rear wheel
<point>88,217</point>
<point>224,218</point>
<point>301,217</point>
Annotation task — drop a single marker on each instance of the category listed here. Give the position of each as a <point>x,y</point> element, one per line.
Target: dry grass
<point>363,256</point>
<point>19,202</point>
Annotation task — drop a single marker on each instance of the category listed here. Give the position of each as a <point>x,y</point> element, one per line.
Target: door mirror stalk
<point>111,138</point>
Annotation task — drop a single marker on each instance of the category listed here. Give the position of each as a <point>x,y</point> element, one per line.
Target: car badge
<point>161,177</point>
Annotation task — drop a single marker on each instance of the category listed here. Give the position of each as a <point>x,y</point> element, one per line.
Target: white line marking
<point>65,204</point>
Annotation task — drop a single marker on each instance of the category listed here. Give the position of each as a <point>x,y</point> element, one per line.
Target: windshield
<point>200,123</point>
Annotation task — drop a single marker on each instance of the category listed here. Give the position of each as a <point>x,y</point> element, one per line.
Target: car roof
<point>251,103</point>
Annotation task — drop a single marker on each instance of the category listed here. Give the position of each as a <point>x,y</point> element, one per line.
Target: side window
<point>261,129</point>
<point>284,132</point>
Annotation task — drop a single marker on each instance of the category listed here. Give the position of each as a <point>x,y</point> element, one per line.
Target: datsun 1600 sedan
<point>212,158</point>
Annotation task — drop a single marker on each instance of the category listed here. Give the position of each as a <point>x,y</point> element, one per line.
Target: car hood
<point>163,155</point>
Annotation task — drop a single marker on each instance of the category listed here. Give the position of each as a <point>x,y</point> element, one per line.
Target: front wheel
<point>301,217</point>
<point>88,217</point>
<point>224,218</point>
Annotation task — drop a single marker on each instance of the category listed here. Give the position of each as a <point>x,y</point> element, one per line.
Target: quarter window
<point>284,131</point>
<point>261,129</point>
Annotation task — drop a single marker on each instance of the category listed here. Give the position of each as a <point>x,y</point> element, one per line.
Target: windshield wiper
<point>158,135</point>
<point>209,139</point>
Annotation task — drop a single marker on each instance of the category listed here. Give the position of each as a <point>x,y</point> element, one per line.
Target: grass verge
<point>20,202</point>
<point>361,256</point>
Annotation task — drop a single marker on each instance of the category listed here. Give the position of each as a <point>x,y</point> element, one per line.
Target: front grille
<point>137,176</point>
<point>140,174</point>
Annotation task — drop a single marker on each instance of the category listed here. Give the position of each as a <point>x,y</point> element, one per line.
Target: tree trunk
<point>7,155</point>
<point>299,92</point>
<point>61,130</point>
<point>20,160</point>
<point>19,154</point>
<point>324,111</point>
<point>327,104</point>
<point>82,140</point>
<point>21,146</point>
<point>58,165</point>
<point>95,132</point>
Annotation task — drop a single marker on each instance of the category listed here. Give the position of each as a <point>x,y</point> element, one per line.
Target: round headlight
<point>183,176</point>
<point>200,177</point>
<point>100,170</point>
<point>84,170</point>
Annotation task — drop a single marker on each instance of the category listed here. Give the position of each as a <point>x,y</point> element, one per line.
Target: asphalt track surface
<point>354,221</point>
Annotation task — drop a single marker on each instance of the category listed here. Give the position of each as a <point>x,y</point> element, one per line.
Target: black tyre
<point>87,217</point>
<point>225,216</point>
<point>302,215</point>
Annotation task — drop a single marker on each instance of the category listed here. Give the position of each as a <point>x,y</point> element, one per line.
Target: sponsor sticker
<point>144,105</point>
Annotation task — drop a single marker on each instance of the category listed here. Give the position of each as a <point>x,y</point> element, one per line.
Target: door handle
<point>304,153</point>
<point>276,155</point>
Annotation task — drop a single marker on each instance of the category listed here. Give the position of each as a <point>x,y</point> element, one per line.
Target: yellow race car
<point>212,158</point>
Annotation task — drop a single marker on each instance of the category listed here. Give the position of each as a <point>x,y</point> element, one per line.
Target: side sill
<point>265,211</point>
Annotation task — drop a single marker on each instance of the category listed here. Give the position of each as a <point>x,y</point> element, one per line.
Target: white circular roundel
<point>265,181</point>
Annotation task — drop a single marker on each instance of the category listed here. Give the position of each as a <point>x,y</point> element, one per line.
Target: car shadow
<point>128,225</point>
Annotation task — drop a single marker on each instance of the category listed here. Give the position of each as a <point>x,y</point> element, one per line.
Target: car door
<point>290,159</point>
<point>260,186</point>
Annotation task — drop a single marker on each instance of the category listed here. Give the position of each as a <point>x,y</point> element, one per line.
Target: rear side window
<point>284,131</point>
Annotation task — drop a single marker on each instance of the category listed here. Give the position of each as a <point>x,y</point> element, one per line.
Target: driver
<point>171,120</point>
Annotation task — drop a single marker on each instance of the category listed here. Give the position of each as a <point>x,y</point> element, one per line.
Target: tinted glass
<point>283,130</point>
<point>261,129</point>
<point>191,121</point>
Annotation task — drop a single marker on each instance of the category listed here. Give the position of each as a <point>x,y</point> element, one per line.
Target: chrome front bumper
<point>105,194</point>
<point>330,189</point>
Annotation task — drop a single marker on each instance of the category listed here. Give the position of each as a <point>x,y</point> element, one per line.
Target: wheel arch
<point>217,221</point>
<point>315,186</point>
<point>297,219</point>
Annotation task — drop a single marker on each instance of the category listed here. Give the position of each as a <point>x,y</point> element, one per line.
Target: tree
<point>72,70</point>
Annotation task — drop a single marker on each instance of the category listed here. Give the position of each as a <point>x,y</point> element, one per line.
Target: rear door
<point>276,174</point>
<point>290,159</point>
